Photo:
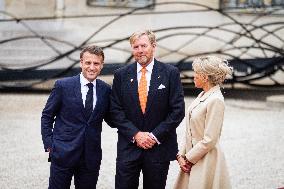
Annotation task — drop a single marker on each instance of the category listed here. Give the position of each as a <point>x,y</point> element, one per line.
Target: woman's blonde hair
<point>214,67</point>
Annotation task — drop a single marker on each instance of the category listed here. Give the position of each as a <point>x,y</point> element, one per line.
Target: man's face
<point>143,50</point>
<point>91,65</point>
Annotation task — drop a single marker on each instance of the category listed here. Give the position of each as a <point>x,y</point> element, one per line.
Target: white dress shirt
<point>85,88</point>
<point>149,69</point>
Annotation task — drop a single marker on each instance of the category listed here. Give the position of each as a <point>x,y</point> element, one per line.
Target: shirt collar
<point>84,81</point>
<point>149,68</point>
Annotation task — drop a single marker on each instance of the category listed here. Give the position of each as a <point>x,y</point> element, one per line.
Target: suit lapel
<point>196,102</point>
<point>99,93</point>
<point>78,94</point>
<point>154,84</point>
<point>132,85</point>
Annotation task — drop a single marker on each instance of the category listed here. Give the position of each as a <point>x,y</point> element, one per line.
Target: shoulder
<point>216,99</point>
<point>103,84</point>
<point>124,69</point>
<point>67,81</point>
<point>218,95</point>
<point>168,67</point>
<point>169,71</point>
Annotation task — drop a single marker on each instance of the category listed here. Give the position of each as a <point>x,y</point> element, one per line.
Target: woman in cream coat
<point>201,159</point>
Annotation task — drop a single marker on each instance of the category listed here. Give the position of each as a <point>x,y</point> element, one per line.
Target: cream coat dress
<point>201,144</point>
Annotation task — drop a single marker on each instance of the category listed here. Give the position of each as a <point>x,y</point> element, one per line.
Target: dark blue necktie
<point>89,100</point>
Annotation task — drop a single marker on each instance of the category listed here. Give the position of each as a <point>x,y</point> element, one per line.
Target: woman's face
<point>199,80</point>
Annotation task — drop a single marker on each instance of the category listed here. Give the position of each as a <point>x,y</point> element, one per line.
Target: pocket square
<point>161,86</point>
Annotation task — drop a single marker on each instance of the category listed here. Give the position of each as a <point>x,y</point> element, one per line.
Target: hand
<point>184,164</point>
<point>49,155</point>
<point>144,141</point>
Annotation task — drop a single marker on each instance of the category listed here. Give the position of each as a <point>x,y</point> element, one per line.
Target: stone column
<point>2,8</point>
<point>59,7</point>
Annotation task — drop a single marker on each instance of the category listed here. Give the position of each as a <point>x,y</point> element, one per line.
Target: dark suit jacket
<point>64,126</point>
<point>164,112</point>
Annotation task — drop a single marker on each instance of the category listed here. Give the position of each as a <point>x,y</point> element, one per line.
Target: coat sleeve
<point>48,115</point>
<point>182,149</point>
<point>186,142</point>
<point>212,131</point>
<point>176,108</point>
<point>118,117</point>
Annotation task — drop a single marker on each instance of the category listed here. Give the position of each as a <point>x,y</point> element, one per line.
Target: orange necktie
<point>142,90</point>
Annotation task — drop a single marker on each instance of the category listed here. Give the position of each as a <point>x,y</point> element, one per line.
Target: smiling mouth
<point>143,56</point>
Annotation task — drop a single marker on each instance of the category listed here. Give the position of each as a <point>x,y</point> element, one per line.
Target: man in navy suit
<point>147,137</point>
<point>71,124</point>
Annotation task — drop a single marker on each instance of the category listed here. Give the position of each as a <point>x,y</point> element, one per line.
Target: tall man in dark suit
<point>147,104</point>
<point>71,124</point>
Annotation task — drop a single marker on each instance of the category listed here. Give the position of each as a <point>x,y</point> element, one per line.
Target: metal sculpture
<point>255,49</point>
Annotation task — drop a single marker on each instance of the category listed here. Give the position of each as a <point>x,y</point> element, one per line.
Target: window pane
<point>252,6</point>
<point>121,3</point>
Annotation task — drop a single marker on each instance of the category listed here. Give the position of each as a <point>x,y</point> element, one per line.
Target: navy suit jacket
<point>164,112</point>
<point>65,128</point>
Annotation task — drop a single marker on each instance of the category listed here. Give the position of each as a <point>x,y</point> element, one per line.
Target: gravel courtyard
<point>252,140</point>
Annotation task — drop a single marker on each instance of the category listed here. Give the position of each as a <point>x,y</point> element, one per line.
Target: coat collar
<point>203,96</point>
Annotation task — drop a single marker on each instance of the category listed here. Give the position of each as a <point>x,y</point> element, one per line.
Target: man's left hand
<point>144,140</point>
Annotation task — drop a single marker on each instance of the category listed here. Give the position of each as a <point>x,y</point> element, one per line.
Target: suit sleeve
<point>119,119</point>
<point>213,125</point>
<point>48,115</point>
<point>176,108</point>
<point>107,116</point>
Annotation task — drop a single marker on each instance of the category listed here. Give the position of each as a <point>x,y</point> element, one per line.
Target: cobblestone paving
<point>252,140</point>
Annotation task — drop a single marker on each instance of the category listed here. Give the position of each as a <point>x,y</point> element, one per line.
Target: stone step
<point>275,101</point>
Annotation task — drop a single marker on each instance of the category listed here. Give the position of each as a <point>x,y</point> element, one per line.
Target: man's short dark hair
<point>93,49</point>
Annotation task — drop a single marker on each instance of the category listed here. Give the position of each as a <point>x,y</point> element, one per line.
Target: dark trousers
<point>154,174</point>
<point>60,177</point>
